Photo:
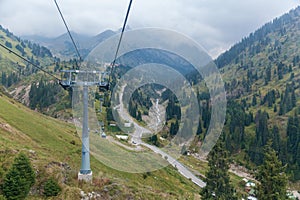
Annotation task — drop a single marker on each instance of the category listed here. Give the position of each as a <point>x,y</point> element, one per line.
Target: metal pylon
<point>69,80</point>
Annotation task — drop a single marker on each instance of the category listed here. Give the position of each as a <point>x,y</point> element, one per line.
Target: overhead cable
<point>68,30</point>
<point>28,61</point>
<point>120,40</point>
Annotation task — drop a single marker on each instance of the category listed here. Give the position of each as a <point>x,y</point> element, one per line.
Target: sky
<point>214,24</point>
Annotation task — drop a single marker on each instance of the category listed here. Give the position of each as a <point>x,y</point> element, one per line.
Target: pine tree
<point>268,75</point>
<point>275,108</point>
<point>19,179</point>
<point>173,131</point>
<point>293,98</point>
<point>292,132</point>
<point>139,116</point>
<point>254,101</point>
<point>217,178</point>
<point>273,180</point>
<point>199,129</point>
<point>262,131</point>
<point>276,138</point>
<point>109,114</point>
<point>4,79</point>
<point>51,188</point>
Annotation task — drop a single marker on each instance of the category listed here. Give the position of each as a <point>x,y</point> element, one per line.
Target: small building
<point>103,135</point>
<point>250,184</point>
<point>245,180</point>
<point>251,198</point>
<point>127,125</point>
<point>122,137</point>
<point>290,195</point>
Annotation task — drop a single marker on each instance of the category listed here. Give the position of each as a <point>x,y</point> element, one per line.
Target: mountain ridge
<point>226,57</point>
<point>62,47</point>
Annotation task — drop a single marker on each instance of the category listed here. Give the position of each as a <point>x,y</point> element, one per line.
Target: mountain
<point>62,45</point>
<point>262,81</point>
<point>31,51</point>
<point>283,28</point>
<point>17,73</point>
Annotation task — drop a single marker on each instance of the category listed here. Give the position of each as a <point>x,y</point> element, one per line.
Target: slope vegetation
<point>54,149</point>
<point>261,75</point>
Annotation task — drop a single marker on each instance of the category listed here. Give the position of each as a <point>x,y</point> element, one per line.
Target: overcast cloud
<point>215,24</point>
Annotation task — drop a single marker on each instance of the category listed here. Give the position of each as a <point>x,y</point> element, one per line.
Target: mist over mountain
<point>62,46</point>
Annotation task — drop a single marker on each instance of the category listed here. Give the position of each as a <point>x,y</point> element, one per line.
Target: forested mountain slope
<point>261,75</point>
<point>27,83</point>
<point>12,68</point>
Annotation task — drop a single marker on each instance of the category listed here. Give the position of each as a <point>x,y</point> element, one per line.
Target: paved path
<point>181,168</point>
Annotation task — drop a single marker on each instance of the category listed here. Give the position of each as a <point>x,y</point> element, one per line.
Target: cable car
<point>68,78</point>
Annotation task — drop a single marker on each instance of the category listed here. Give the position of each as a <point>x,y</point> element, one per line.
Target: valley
<point>261,75</point>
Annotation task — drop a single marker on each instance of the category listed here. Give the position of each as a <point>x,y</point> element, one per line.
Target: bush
<point>51,188</point>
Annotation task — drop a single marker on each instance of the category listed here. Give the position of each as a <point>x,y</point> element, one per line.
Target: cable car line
<point>68,30</point>
<point>120,40</point>
<point>105,85</point>
<point>28,61</point>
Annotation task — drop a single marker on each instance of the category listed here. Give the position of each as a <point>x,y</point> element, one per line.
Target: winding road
<point>136,139</point>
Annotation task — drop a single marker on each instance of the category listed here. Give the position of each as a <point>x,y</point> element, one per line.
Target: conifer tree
<point>254,101</point>
<point>51,188</point>
<point>217,179</point>
<point>271,175</point>
<point>19,179</point>
<point>199,129</point>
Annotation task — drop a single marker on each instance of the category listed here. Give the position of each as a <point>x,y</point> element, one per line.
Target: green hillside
<point>55,149</point>
<point>26,83</point>
<point>261,75</point>
<point>33,52</point>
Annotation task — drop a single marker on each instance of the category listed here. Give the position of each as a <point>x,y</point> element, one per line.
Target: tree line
<point>271,176</point>
<point>43,94</point>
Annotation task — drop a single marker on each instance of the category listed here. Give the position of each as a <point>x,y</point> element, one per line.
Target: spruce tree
<point>4,79</point>
<point>51,188</point>
<point>19,179</point>
<point>217,179</point>
<point>199,129</point>
<point>271,175</point>
<point>254,100</point>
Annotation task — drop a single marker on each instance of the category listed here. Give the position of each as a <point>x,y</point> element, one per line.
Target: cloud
<point>215,24</point>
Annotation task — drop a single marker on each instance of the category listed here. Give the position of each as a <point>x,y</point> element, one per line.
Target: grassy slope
<point>22,129</point>
<point>11,63</point>
<point>7,59</point>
